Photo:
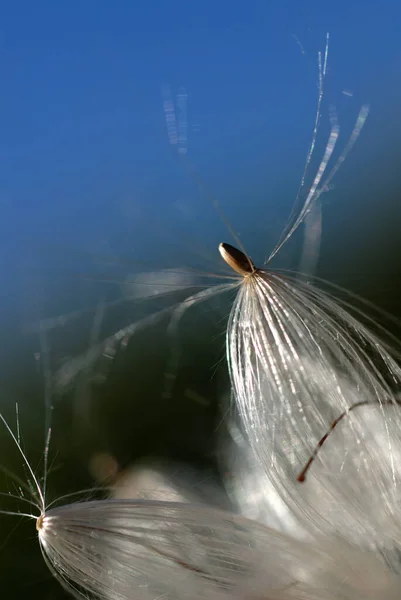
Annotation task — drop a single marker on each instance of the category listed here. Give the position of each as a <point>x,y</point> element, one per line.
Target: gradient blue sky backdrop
<point>83,145</point>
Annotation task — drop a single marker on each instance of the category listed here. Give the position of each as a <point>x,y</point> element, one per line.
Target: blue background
<point>85,159</point>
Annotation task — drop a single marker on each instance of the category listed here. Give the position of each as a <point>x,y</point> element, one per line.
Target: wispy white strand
<point>331,144</point>
<point>321,74</point>
<point>69,370</point>
<point>317,188</point>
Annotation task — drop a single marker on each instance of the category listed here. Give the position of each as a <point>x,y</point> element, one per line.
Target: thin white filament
<point>45,353</point>
<point>36,482</point>
<point>322,75</point>
<point>333,137</point>
<point>69,371</point>
<point>19,498</point>
<point>316,191</point>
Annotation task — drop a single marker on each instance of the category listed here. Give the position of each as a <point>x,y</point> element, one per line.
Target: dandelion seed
<point>298,361</point>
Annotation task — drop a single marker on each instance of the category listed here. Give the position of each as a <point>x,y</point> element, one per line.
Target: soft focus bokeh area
<point>92,193</point>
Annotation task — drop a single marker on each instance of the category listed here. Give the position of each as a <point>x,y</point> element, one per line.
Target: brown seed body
<point>237,260</point>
